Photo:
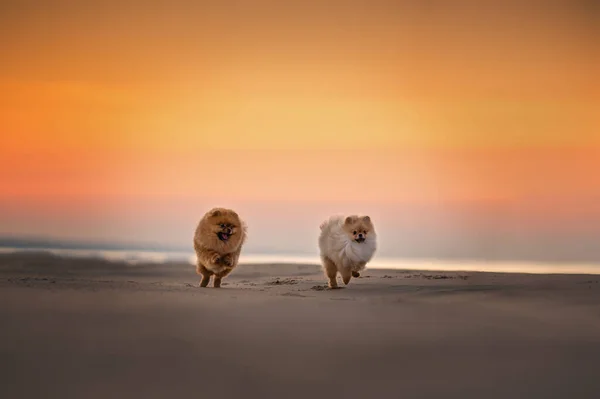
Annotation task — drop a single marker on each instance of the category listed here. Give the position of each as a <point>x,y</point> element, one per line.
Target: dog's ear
<point>215,212</point>
<point>366,219</point>
<point>349,220</point>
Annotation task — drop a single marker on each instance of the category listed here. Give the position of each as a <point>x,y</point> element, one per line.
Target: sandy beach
<point>88,328</point>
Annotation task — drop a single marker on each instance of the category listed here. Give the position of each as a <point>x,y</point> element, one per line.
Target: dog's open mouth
<point>223,236</point>
<point>360,239</point>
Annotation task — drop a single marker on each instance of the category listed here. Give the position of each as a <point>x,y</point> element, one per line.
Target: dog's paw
<point>227,260</point>
<point>215,259</point>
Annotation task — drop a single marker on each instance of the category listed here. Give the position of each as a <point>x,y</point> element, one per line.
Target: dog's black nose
<point>228,230</point>
<point>360,235</point>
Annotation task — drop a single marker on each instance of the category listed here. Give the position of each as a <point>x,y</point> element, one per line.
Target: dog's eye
<point>354,232</point>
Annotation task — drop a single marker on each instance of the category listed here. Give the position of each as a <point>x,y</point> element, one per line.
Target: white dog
<point>346,244</point>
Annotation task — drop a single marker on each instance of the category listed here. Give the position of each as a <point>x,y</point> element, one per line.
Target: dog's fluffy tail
<point>322,226</point>
<point>331,221</point>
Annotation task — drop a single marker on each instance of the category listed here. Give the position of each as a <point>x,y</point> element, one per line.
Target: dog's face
<point>358,228</point>
<point>224,224</point>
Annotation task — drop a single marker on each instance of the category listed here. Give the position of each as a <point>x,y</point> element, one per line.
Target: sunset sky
<point>464,128</point>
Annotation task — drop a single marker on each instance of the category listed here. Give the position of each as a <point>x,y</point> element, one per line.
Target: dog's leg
<point>217,282</point>
<point>331,272</point>
<point>357,269</point>
<point>200,269</point>
<point>218,277</point>
<point>209,257</point>
<point>346,275</point>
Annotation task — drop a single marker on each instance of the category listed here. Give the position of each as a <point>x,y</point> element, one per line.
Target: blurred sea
<point>136,256</point>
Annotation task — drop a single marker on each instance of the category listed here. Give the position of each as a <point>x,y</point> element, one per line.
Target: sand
<point>85,328</point>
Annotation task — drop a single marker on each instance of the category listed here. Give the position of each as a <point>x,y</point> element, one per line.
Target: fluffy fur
<point>218,243</point>
<point>346,245</point>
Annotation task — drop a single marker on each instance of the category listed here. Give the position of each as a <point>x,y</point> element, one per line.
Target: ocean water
<point>136,257</point>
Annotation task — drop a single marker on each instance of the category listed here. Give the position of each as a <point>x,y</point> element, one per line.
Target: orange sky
<point>138,110</point>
